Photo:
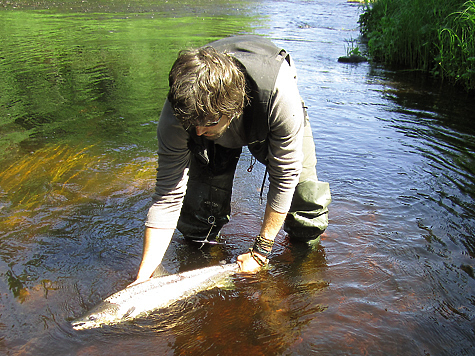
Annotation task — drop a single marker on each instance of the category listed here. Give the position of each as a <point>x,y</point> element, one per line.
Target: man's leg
<point>308,215</point>
<point>207,203</point>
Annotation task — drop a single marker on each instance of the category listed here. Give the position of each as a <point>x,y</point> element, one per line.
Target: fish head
<point>102,314</point>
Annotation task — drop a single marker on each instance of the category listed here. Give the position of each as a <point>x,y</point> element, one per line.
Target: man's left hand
<point>247,264</point>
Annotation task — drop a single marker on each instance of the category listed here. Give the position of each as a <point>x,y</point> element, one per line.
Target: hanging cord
<point>253,162</point>
<point>250,168</point>
<point>261,200</point>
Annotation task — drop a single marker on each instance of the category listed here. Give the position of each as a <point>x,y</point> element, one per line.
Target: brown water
<point>82,84</point>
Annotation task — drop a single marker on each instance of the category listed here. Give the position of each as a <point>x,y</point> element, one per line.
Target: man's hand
<point>271,225</point>
<point>247,263</point>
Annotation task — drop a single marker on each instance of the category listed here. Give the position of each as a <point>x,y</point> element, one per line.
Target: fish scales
<point>152,294</point>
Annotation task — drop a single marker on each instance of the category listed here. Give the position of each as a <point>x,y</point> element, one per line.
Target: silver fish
<point>152,294</point>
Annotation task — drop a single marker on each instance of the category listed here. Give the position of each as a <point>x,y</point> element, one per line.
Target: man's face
<point>214,130</point>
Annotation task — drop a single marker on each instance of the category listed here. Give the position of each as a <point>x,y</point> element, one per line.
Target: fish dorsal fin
<point>160,271</point>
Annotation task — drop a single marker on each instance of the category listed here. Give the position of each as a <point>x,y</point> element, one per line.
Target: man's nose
<point>200,130</point>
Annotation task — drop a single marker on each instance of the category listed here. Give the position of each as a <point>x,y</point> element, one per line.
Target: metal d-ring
<point>211,221</point>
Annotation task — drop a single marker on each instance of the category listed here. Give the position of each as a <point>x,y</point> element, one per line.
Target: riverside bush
<point>436,36</point>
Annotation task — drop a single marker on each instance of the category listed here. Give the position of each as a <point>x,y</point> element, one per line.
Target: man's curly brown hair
<point>204,85</point>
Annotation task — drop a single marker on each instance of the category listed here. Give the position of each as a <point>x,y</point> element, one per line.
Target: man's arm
<point>155,244</point>
<point>285,156</point>
<point>172,177</point>
<point>271,225</point>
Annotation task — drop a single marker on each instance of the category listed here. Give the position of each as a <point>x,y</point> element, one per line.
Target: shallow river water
<point>82,84</point>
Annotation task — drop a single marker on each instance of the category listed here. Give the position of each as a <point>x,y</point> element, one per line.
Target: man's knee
<point>308,214</point>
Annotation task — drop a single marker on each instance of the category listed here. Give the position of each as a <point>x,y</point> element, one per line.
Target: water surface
<point>82,87</point>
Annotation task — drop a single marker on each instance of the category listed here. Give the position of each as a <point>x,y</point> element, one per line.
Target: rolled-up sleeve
<point>172,172</point>
<point>285,139</point>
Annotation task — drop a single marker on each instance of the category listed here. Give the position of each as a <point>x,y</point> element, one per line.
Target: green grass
<point>436,36</point>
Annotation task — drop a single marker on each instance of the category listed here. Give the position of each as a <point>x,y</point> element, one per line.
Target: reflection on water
<point>76,74</point>
<point>439,124</point>
<point>82,87</point>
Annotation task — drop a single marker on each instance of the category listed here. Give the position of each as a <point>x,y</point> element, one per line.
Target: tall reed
<point>456,57</point>
<point>435,36</point>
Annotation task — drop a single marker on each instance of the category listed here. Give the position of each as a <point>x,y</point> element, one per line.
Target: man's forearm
<point>155,244</point>
<point>272,223</point>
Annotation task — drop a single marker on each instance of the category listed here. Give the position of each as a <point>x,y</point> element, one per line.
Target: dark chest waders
<point>207,203</point>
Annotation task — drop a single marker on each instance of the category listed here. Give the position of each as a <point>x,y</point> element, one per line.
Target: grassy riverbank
<point>436,36</point>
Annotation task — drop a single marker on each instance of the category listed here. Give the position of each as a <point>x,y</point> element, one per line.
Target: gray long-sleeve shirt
<point>285,155</point>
